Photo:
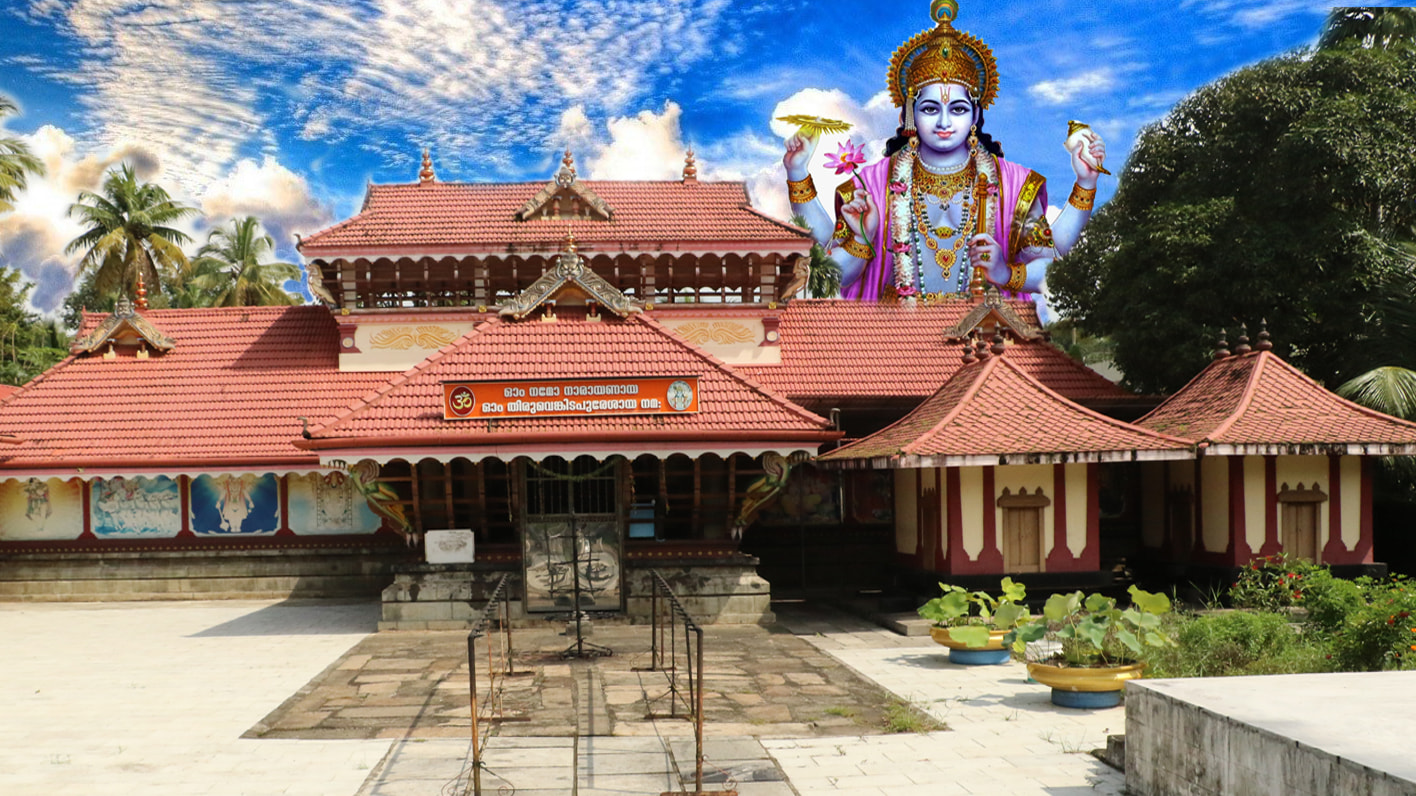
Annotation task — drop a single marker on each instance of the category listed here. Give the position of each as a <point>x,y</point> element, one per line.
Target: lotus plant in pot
<point>974,625</point>
<point>1096,646</point>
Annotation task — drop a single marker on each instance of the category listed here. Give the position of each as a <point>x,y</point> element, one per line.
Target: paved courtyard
<point>302,698</point>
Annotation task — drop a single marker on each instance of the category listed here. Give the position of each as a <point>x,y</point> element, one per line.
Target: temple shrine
<point>588,379</point>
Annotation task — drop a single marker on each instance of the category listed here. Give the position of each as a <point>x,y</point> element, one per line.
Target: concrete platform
<point>1295,735</point>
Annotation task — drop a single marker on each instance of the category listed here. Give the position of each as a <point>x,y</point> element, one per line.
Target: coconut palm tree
<point>231,271</point>
<point>1369,26</point>
<point>128,234</point>
<point>825,278</point>
<point>16,162</point>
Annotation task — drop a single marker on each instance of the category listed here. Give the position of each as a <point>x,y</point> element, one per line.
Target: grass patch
<point>1238,643</point>
<point>838,710</point>
<point>903,716</point>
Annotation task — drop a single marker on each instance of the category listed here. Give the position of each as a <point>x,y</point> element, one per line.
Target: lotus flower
<point>847,158</point>
<point>897,187</point>
<point>905,291</point>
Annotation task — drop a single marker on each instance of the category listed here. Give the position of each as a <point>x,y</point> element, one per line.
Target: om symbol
<point>461,401</point>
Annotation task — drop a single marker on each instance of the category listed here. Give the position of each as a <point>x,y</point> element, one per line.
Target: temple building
<point>588,379</point>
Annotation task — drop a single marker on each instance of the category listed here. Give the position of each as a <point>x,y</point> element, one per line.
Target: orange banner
<point>481,400</point>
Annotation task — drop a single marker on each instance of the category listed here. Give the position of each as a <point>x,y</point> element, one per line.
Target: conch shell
<point>1081,135</point>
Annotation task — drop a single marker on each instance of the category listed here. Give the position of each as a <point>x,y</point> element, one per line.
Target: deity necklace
<point>944,186</point>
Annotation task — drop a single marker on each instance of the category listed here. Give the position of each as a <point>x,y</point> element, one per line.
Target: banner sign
<point>632,395</point>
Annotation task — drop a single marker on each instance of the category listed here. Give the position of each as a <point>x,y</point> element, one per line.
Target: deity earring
<point>973,140</point>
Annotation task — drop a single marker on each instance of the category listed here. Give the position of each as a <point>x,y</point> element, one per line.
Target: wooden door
<point>1300,530</point>
<point>1022,539</point>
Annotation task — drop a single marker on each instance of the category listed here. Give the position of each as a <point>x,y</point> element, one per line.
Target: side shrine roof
<point>227,395</point>
<point>993,412</point>
<point>451,217</point>
<point>835,350</point>
<point>734,412</point>
<point>1256,403</point>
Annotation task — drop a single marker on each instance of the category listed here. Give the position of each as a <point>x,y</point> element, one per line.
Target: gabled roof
<point>565,182</point>
<point>230,395</point>
<point>835,350</point>
<point>993,412</point>
<point>570,272</point>
<point>994,308</point>
<point>734,412</point>
<point>1255,403</point>
<point>123,321</point>
<point>456,218</point>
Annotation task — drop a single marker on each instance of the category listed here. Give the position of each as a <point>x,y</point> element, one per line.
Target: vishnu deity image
<point>942,213</point>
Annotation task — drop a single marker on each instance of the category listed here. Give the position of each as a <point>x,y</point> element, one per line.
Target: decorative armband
<point>1018,278</point>
<point>801,191</point>
<point>858,249</point>
<point>1082,198</point>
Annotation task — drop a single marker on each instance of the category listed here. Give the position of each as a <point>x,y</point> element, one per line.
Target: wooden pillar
<point>416,495</point>
<point>1059,558</point>
<point>184,501</point>
<point>348,284</point>
<point>1271,542</point>
<point>85,490</point>
<point>282,484</point>
<point>451,513</point>
<point>767,278</point>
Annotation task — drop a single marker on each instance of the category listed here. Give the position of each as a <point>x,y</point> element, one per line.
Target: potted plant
<point>974,624</point>
<point>1097,645</point>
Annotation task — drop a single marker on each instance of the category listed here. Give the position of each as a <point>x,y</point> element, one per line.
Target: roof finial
<point>969,357</point>
<point>566,176</point>
<point>142,302</point>
<point>1243,347</point>
<point>426,174</point>
<point>998,345</point>
<point>981,350</point>
<point>1221,347</point>
<point>1265,344</point>
<point>690,169</point>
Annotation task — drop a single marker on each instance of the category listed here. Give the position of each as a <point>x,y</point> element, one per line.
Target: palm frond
<point>1390,390</point>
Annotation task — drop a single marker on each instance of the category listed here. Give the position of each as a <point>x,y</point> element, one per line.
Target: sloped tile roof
<point>994,412</point>
<point>834,349</point>
<point>408,410</point>
<point>453,217</point>
<point>228,392</point>
<point>1258,403</point>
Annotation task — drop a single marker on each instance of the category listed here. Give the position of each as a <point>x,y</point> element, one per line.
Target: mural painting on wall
<point>132,507</point>
<point>235,504</point>
<point>811,497</point>
<point>872,496</point>
<point>34,508</point>
<point>329,503</point>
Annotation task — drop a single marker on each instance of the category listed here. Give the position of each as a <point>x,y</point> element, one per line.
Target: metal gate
<point>572,523</point>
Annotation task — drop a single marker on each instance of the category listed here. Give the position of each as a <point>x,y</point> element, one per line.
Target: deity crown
<point>943,55</point>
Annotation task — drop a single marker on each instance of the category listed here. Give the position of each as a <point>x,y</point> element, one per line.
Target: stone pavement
<point>154,698</point>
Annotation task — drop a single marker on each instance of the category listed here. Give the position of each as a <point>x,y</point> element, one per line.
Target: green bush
<point>1238,643</point>
<point>1329,601</point>
<point>1382,633</point>
<point>1273,582</point>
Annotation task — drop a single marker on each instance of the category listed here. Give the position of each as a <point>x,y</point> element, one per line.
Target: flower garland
<point>901,182</point>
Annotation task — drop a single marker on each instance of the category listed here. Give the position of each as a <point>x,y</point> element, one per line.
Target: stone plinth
<point>1286,735</point>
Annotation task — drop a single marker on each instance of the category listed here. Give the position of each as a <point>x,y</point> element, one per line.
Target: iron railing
<point>669,617</point>
<point>499,667</point>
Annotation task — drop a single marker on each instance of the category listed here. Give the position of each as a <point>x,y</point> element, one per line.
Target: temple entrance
<point>572,546</point>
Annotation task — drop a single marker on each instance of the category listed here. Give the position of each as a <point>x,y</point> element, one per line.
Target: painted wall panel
<point>1032,477</point>
<point>1351,501</point>
<point>1153,504</point>
<point>328,504</point>
<point>1077,508</point>
<point>971,503</point>
<point>906,517</point>
<point>128,508</point>
<point>35,508</point>
<point>1254,497</point>
<point>1214,473</point>
<point>1306,470</point>
<point>224,505</point>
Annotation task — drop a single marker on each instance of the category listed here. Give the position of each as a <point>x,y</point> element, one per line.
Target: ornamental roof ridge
<point>565,180</point>
<point>123,315</point>
<point>570,268</point>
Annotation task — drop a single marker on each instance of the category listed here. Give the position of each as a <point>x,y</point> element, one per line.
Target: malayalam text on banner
<point>482,400</point>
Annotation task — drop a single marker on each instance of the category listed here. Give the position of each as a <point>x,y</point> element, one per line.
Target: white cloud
<point>646,146</point>
<point>1254,14</point>
<point>279,197</point>
<point>1064,90</point>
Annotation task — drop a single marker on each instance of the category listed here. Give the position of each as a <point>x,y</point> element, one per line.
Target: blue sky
<point>285,109</point>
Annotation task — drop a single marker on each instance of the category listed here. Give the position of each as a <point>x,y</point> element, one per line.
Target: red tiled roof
<point>6,391</point>
<point>993,412</point>
<point>454,217</point>
<point>229,392</point>
<point>834,349</point>
<point>1257,403</point>
<point>408,411</point>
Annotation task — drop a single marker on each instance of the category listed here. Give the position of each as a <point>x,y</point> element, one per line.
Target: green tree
<point>128,234</point>
<point>16,162</point>
<point>229,268</point>
<point>28,347</point>
<point>1276,192</point>
<point>1369,26</point>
